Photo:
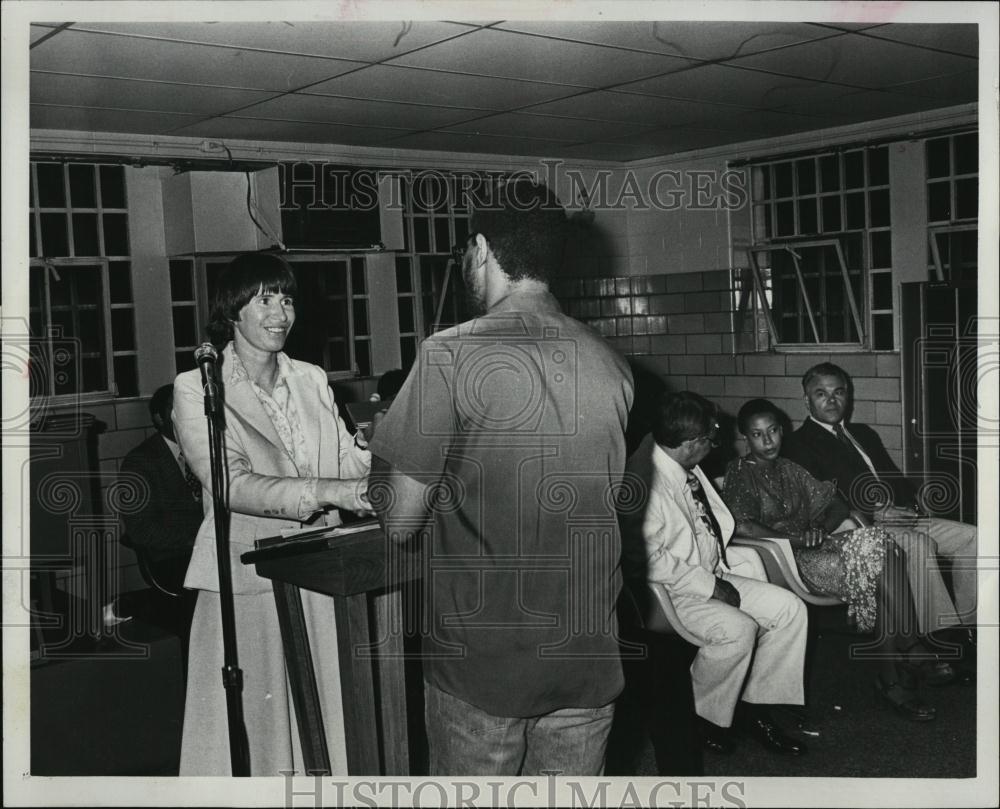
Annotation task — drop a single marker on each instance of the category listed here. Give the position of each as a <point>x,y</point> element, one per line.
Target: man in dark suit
<point>854,456</point>
<point>163,529</point>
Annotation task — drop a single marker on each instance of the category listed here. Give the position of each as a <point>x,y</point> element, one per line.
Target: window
<point>436,210</point>
<point>821,262</point>
<point>332,323</point>
<point>953,207</point>
<point>80,290</point>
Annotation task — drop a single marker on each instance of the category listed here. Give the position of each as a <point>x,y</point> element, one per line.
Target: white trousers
<point>757,651</point>
<point>955,541</point>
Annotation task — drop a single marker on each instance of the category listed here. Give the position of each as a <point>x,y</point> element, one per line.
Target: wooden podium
<point>363,572</point>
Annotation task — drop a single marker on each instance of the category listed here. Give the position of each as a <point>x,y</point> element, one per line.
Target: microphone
<point>206,356</point>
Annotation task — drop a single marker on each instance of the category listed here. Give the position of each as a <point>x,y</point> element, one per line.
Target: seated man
<point>753,634</point>
<point>164,528</point>
<point>868,479</point>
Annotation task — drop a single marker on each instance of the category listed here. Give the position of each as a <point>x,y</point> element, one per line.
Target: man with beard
<point>503,452</point>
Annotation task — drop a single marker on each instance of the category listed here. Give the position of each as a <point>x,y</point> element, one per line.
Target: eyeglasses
<point>712,437</point>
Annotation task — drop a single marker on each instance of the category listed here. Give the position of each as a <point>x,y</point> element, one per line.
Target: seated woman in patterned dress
<point>770,496</point>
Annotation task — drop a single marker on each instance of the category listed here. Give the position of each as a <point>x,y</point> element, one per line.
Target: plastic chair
<point>653,610</point>
<point>148,571</point>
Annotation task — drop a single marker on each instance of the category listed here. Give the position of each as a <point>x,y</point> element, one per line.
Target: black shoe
<point>772,737</point>
<point>903,701</point>
<point>715,738</point>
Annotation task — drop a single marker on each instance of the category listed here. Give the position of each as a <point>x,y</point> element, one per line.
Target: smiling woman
<point>289,459</point>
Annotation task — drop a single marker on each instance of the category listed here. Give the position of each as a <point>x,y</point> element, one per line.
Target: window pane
<point>81,186</point>
<point>358,285</point>
<point>882,332</point>
<point>967,153</point>
<point>362,358</point>
<point>55,240</point>
<point>185,330</point>
<point>337,323</point>
<point>87,281</point>
<point>442,240</point>
<point>854,170</point>
<point>878,166</point>
<point>939,202</point>
<point>112,186</point>
<point>786,218</point>
<point>95,374</point>
<point>404,279</point>
<point>881,251</point>
<point>91,334</point>
<point>938,162</point>
<point>831,214</point>
<point>32,236</point>
<point>115,234</point>
<point>966,198</point>
<point>51,185</point>
<point>829,168</point>
<point>122,330</point>
<point>335,278</point>
<point>120,282</point>
<point>807,216</point>
<point>338,355</point>
<point>855,206</point>
<point>85,241</point>
<point>181,281</point>
<point>878,202</point>
<point>882,290</point>
<point>125,376</point>
<point>421,237</point>
<point>805,170</point>
<point>783,179</point>
<point>405,308</point>
<point>461,229</point>
<point>408,349</point>
<point>361,317</point>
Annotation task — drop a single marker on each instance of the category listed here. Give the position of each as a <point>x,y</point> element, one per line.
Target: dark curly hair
<point>246,275</point>
<point>682,416</point>
<point>758,407</point>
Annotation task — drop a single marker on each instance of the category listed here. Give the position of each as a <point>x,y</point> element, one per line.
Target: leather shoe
<point>715,738</point>
<point>772,737</point>
<point>903,701</point>
<point>938,673</point>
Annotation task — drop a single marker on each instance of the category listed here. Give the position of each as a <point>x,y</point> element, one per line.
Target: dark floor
<point>116,709</point>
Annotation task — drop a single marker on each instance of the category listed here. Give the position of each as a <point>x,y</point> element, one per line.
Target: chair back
<point>155,578</point>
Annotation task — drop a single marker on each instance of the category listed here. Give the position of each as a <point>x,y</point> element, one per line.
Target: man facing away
<point>831,448</point>
<point>751,634</point>
<point>504,449</point>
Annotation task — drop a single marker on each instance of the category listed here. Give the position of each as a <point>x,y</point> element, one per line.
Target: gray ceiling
<point>617,91</point>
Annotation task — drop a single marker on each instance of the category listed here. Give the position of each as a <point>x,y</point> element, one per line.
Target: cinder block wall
<point>679,326</point>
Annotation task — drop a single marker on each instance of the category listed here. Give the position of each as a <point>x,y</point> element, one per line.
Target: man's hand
<point>724,591</point>
<point>812,538</point>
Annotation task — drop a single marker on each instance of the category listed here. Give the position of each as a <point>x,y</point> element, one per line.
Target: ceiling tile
<point>486,144</point>
<point>361,40</point>
<point>680,139</point>
<point>721,84</point>
<point>85,91</point>
<point>127,57</point>
<point>865,105</point>
<point>573,130</point>
<point>396,83</point>
<point>327,109</point>
<point>44,116</point>
<point>619,152</point>
<point>517,56</point>
<point>696,40</point>
<point>605,105</point>
<point>954,37</point>
<point>958,88</point>
<point>857,60</point>
<point>297,131</point>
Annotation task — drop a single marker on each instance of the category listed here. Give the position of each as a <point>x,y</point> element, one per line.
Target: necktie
<point>190,479</point>
<point>706,514</point>
<point>845,439</point>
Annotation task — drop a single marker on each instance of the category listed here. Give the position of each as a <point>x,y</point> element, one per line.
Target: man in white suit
<point>752,634</point>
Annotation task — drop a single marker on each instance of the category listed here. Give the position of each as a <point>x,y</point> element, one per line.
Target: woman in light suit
<point>289,459</point>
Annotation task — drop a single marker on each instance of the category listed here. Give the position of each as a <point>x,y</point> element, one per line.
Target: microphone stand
<point>232,674</point>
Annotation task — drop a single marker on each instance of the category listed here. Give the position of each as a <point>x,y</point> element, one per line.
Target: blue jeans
<point>465,740</point>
